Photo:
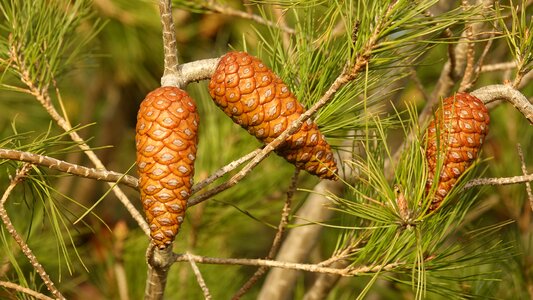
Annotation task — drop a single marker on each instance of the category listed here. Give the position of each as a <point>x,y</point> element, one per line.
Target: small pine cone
<point>461,125</point>
<point>166,140</point>
<point>258,100</point>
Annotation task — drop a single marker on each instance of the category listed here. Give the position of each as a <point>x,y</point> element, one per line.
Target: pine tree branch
<point>221,172</point>
<point>498,67</point>
<point>169,44</point>
<point>63,166</point>
<point>347,272</point>
<point>491,93</point>
<point>42,95</point>
<point>199,278</point>
<point>27,291</point>
<point>158,262</point>
<point>196,70</point>
<point>524,171</point>
<point>498,181</point>
<point>19,177</point>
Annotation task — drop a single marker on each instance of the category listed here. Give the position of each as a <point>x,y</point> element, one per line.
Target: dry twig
<point>63,166</point>
<point>109,176</point>
<point>223,171</point>
<point>498,67</point>
<point>498,181</point>
<point>199,278</point>
<point>349,272</point>
<point>524,171</point>
<point>27,291</point>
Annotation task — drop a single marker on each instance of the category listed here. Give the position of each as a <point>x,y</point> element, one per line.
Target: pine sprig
<point>423,246</point>
<point>42,38</point>
<point>519,36</point>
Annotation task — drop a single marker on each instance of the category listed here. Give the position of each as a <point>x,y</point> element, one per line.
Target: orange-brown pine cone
<point>166,139</point>
<point>461,125</point>
<point>256,98</point>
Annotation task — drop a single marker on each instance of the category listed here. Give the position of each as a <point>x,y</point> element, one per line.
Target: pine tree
<point>368,75</point>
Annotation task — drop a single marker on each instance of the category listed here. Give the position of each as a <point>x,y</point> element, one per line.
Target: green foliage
<point>519,34</point>
<point>43,37</point>
<point>432,253</point>
<point>450,253</point>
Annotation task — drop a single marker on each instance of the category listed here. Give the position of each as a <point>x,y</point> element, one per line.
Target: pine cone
<point>256,99</point>
<point>456,134</point>
<point>166,140</point>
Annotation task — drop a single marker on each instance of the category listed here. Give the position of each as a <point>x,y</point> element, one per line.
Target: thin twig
<point>498,181</point>
<point>479,63</point>
<point>285,212</point>
<point>524,171</point>
<point>418,84</point>
<point>63,166</point>
<point>110,176</point>
<point>466,82</point>
<point>223,171</point>
<point>350,271</point>
<point>21,289</point>
<point>229,11</point>
<point>19,177</point>
<point>498,67</point>
<point>169,44</point>
<point>525,80</point>
<point>199,278</point>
